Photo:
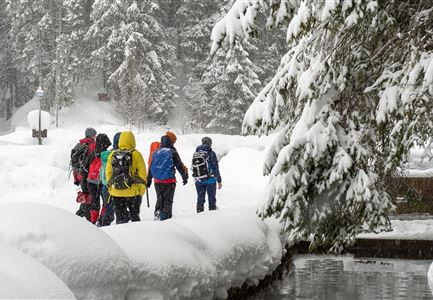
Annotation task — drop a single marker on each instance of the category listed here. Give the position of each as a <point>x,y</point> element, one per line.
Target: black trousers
<point>95,192</point>
<point>164,199</point>
<point>84,209</point>
<point>127,208</point>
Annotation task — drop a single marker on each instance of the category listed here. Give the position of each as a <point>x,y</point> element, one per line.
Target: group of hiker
<point>118,178</point>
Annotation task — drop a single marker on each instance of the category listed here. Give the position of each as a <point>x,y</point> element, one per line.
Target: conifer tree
<point>131,49</point>
<point>353,94</point>
<point>41,46</point>
<point>233,82</point>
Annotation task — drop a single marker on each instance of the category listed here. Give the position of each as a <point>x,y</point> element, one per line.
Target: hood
<point>116,140</point>
<point>87,141</point>
<point>102,142</point>
<point>166,142</point>
<point>203,148</point>
<point>127,141</point>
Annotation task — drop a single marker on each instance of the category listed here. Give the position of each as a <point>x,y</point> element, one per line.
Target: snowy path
<point>190,256</point>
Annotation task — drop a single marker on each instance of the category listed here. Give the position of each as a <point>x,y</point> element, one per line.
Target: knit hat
<point>172,136</point>
<point>206,141</point>
<point>90,132</point>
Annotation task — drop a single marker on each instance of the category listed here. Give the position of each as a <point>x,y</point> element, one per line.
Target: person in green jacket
<point>107,211</point>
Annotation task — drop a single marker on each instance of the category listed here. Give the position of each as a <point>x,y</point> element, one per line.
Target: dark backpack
<point>200,165</point>
<point>121,162</point>
<point>78,156</point>
<point>162,166</point>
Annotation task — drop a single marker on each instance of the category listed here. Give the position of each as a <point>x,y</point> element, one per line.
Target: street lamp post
<point>40,93</point>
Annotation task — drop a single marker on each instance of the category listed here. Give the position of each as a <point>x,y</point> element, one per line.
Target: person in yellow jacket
<point>126,177</point>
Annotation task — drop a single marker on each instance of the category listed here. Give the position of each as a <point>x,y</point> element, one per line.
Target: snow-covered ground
<point>405,230</point>
<point>190,256</point>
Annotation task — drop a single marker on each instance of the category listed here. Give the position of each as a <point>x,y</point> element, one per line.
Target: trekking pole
<point>147,197</point>
<point>69,171</point>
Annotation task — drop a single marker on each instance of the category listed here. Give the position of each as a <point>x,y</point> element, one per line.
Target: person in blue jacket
<point>162,170</point>
<point>208,185</point>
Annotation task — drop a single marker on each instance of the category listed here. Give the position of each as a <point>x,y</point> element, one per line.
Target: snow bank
<point>89,262</point>
<point>19,118</point>
<point>196,256</point>
<point>413,230</point>
<point>199,256</point>
<point>24,277</point>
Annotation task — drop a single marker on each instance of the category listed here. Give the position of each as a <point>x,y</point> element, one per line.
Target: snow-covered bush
<point>352,95</point>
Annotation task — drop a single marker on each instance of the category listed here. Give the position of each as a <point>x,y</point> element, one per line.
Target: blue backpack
<point>162,166</point>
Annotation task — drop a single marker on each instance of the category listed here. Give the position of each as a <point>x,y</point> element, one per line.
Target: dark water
<point>327,277</point>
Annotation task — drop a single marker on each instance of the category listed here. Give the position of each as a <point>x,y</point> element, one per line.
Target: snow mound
<point>197,256</point>
<point>22,277</point>
<point>404,230</point>
<point>33,119</point>
<point>89,262</point>
<point>19,118</point>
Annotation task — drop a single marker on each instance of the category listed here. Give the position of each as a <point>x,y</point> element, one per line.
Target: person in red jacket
<point>81,173</point>
<point>93,180</point>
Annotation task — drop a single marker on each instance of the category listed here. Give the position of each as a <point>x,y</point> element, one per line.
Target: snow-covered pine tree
<point>233,83</point>
<point>352,95</point>
<point>194,22</point>
<point>40,44</point>
<point>131,50</point>
<point>8,75</point>
<point>196,18</point>
<point>77,18</point>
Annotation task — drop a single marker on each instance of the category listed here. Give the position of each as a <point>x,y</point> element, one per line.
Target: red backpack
<point>94,168</point>
<point>153,147</point>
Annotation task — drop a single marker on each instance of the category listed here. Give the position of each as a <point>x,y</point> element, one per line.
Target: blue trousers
<point>202,189</point>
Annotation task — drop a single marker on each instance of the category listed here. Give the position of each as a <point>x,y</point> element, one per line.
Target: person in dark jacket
<point>208,185</point>
<point>80,176</point>
<point>93,178</point>
<point>107,212</point>
<point>162,170</point>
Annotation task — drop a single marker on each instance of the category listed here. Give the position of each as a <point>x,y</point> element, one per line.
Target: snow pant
<point>107,212</point>
<point>126,208</point>
<point>95,192</point>
<point>164,199</point>
<point>202,189</point>
<point>84,209</point>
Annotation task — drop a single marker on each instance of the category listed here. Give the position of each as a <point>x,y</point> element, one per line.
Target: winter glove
<point>185,181</point>
<point>149,183</point>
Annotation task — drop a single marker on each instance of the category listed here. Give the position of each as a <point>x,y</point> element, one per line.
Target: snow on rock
<point>197,256</point>
<point>22,277</point>
<point>89,262</point>
<point>33,119</point>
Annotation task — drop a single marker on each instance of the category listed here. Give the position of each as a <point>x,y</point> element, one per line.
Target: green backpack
<point>104,159</point>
